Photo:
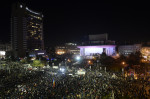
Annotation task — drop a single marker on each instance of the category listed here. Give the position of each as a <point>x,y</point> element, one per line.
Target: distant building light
<point>40,53</point>
<point>78,58</point>
<point>21,6</point>
<point>31,11</point>
<point>2,52</point>
<point>36,49</point>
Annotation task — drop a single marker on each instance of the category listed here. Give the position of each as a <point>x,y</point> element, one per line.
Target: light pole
<point>105,69</point>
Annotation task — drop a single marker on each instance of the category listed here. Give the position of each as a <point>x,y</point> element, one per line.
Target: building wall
<point>146,52</point>
<point>128,49</point>
<point>68,48</point>
<point>93,50</point>
<point>26,30</point>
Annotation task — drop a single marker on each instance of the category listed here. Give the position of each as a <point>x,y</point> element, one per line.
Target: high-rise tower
<point>26,30</point>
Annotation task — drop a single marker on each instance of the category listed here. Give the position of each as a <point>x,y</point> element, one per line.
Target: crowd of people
<point>92,85</point>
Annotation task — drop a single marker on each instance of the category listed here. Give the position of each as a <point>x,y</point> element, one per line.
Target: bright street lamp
<point>78,58</point>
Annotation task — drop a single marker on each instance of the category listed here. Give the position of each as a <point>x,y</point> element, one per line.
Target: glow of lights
<point>81,72</point>
<point>40,53</point>
<point>2,52</point>
<point>33,58</point>
<point>55,67</point>
<point>117,55</point>
<point>62,69</point>
<point>20,6</point>
<point>90,50</point>
<point>31,11</point>
<point>60,52</point>
<point>69,60</point>
<point>123,63</point>
<point>93,57</point>
<point>89,61</point>
<point>36,49</point>
<point>78,58</point>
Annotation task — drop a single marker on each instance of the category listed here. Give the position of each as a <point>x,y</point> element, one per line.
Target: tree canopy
<point>37,63</point>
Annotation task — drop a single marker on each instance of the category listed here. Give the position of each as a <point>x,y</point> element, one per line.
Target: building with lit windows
<point>146,52</point>
<point>26,30</point>
<point>128,49</point>
<point>67,48</point>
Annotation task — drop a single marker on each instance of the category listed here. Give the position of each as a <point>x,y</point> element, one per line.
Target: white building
<point>97,50</point>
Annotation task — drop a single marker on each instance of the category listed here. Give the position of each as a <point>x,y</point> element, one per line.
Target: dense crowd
<point>41,85</point>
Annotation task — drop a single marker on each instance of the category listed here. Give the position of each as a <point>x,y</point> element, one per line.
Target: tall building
<point>26,30</point>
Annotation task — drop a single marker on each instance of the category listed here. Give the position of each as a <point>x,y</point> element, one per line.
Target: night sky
<point>64,22</point>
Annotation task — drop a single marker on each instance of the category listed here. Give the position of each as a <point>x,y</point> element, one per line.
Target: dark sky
<point>72,21</point>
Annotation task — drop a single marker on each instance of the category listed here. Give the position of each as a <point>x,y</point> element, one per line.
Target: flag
<point>53,83</point>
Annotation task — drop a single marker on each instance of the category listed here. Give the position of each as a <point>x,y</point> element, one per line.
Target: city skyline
<point>72,21</point>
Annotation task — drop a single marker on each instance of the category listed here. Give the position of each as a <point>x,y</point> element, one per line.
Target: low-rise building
<point>68,48</point>
<point>96,45</point>
<point>89,51</point>
<point>145,50</point>
<point>128,49</point>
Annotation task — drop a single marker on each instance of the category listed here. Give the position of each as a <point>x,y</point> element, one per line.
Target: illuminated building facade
<point>128,49</point>
<point>97,50</point>
<point>4,48</point>
<point>96,45</point>
<point>26,30</point>
<point>146,52</point>
<point>68,48</point>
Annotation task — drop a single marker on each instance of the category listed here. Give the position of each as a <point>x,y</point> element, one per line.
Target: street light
<point>62,70</point>
<point>123,63</point>
<point>78,58</point>
<point>89,61</point>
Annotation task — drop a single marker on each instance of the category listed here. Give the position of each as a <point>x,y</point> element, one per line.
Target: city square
<point>74,50</point>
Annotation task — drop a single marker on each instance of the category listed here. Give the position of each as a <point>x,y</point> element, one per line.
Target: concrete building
<point>96,45</point>
<point>128,49</point>
<point>26,30</point>
<point>68,48</point>
<point>97,50</point>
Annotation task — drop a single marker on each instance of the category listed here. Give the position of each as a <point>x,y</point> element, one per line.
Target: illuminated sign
<point>31,11</point>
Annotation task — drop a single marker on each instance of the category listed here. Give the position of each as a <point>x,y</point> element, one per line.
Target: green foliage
<point>106,60</point>
<point>107,96</point>
<point>103,55</point>
<point>37,63</point>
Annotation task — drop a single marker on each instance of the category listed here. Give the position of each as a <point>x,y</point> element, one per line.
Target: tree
<point>134,58</point>
<point>122,58</point>
<point>37,63</point>
<point>106,60</point>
